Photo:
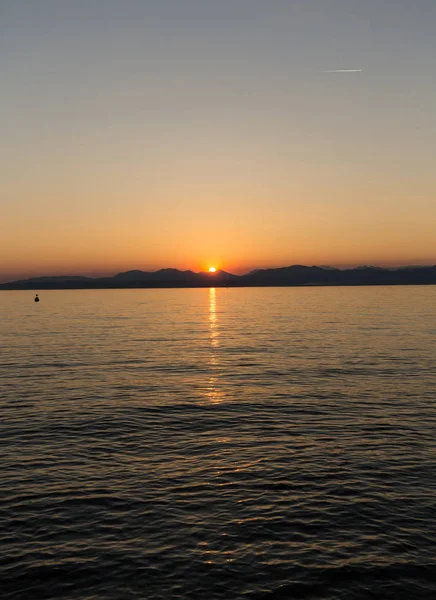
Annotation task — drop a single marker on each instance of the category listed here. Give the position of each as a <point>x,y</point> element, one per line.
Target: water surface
<point>229,443</point>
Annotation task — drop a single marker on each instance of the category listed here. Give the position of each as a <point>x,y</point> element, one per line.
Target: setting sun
<point>212,270</point>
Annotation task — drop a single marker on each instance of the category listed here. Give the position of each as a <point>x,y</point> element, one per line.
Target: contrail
<point>343,71</point>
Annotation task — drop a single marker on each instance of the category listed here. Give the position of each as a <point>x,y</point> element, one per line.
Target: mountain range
<point>294,275</point>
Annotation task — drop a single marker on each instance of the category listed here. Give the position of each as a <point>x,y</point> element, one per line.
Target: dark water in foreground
<point>195,444</point>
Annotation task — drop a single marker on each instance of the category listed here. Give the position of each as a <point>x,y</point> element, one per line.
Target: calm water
<point>230,443</point>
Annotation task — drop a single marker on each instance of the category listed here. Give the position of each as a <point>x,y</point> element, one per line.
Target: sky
<point>142,134</point>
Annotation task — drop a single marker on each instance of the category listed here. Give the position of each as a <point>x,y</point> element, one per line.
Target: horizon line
<point>213,274</point>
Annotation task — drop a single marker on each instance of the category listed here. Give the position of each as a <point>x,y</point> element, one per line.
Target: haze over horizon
<point>212,271</point>
<point>238,134</point>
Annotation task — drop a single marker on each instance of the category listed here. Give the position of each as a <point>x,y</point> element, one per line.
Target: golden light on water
<point>213,390</point>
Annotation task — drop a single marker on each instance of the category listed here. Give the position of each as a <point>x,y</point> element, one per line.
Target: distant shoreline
<point>200,287</point>
<point>293,276</point>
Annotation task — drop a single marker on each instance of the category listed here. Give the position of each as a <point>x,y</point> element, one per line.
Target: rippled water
<point>230,443</point>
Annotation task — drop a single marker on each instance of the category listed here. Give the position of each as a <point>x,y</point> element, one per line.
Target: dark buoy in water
<point>36,298</point>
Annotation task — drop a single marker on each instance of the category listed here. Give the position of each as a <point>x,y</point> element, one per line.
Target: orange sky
<point>154,137</point>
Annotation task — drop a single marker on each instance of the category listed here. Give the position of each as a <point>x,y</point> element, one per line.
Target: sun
<point>212,270</point>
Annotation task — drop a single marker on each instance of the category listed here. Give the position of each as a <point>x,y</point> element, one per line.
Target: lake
<point>255,443</point>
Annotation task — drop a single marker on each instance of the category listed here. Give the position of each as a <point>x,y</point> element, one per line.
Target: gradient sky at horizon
<point>189,133</point>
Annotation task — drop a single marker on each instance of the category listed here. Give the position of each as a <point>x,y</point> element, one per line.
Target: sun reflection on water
<point>213,392</point>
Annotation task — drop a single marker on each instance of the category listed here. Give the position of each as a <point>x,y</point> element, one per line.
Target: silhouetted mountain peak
<point>171,271</point>
<point>160,275</point>
<point>327,268</point>
<point>130,274</point>
<point>369,267</point>
<point>282,276</point>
